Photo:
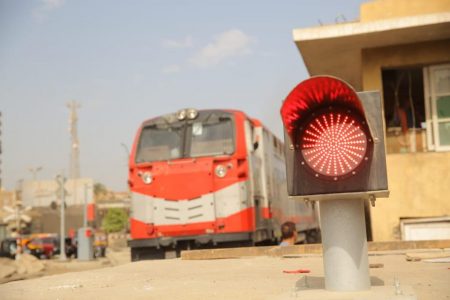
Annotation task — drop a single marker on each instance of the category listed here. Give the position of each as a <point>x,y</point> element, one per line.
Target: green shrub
<point>116,220</point>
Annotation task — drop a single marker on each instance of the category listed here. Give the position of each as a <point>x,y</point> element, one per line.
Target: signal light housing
<point>333,137</point>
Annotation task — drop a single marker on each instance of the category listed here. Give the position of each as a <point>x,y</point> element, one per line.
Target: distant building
<point>401,48</point>
<point>42,193</point>
<point>7,198</point>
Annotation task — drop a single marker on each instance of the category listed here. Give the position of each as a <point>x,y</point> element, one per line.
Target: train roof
<point>172,117</point>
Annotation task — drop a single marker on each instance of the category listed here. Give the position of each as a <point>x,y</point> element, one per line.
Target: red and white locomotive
<point>208,178</point>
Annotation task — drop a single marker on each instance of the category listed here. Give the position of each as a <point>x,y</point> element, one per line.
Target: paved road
<point>244,278</point>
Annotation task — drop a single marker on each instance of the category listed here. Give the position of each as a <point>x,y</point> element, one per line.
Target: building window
<point>404,108</point>
<point>417,108</point>
<point>437,90</point>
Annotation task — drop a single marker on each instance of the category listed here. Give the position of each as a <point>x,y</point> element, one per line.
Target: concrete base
<point>85,244</point>
<point>375,293</point>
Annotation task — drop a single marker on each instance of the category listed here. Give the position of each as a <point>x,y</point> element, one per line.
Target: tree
<point>99,189</point>
<point>116,220</point>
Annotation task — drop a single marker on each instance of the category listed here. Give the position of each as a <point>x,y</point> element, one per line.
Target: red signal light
<point>325,121</point>
<point>333,143</point>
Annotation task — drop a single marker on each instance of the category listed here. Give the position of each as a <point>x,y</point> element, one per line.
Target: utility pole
<point>85,220</point>
<point>61,192</point>
<point>18,204</point>
<point>74,171</point>
<point>125,147</point>
<point>34,172</point>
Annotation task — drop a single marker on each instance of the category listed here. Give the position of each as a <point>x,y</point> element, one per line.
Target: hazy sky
<point>127,61</point>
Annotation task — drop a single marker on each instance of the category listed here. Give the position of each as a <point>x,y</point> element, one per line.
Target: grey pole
<point>344,243</point>
<point>19,249</point>
<point>62,255</point>
<point>85,222</point>
<point>17,203</point>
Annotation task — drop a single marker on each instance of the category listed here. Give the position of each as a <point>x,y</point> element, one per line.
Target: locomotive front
<point>188,174</point>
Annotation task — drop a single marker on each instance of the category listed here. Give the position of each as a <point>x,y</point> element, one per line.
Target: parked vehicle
<point>8,248</point>
<point>100,244</point>
<point>41,245</point>
<point>208,178</point>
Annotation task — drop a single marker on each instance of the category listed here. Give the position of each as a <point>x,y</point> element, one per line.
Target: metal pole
<point>34,172</point>
<point>126,150</point>
<point>18,200</point>
<point>85,222</point>
<point>62,255</point>
<point>19,237</point>
<point>344,243</point>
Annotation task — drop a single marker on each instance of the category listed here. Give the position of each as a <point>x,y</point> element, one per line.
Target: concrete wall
<point>420,187</point>
<point>419,182</point>
<point>46,220</point>
<point>385,9</point>
<point>373,60</point>
<point>41,193</point>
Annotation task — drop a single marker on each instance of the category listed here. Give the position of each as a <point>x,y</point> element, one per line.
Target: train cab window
<point>212,137</point>
<point>160,143</point>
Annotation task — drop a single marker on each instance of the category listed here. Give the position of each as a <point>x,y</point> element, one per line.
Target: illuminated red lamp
<point>325,122</point>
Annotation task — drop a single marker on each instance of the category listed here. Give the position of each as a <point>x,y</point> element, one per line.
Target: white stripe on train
<point>206,208</point>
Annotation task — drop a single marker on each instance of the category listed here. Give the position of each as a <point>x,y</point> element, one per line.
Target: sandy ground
<point>244,278</point>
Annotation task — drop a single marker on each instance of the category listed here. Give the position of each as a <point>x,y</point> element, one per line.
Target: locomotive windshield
<point>160,142</point>
<point>212,137</point>
<point>211,133</point>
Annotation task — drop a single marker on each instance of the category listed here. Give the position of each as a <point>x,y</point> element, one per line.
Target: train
<point>209,178</point>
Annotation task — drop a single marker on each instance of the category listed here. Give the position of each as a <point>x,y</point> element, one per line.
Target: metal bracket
<point>345,196</point>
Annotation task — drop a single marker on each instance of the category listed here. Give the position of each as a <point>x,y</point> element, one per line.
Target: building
<point>401,48</point>
<point>43,193</point>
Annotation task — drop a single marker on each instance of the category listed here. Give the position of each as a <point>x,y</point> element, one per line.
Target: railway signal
<point>335,154</point>
<point>61,191</point>
<point>17,214</point>
<point>335,140</point>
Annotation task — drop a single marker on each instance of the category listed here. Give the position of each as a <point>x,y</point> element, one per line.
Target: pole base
<point>375,293</point>
<point>344,243</point>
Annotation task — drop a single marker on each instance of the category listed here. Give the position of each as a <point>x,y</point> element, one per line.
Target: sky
<point>128,61</point>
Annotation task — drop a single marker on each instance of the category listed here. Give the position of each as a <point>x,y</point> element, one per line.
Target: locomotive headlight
<point>221,171</point>
<point>181,114</point>
<point>192,114</point>
<point>147,177</point>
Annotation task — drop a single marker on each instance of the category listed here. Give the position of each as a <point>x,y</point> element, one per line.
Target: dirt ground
<point>241,278</point>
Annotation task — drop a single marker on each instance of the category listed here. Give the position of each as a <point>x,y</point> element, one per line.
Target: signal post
<point>335,154</point>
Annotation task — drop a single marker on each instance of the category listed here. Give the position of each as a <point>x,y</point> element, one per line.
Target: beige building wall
<point>420,187</point>
<point>385,9</point>
<point>419,182</point>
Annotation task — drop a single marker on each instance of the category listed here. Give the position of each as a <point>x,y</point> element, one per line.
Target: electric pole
<point>61,193</point>
<point>75,147</point>
<point>74,170</point>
